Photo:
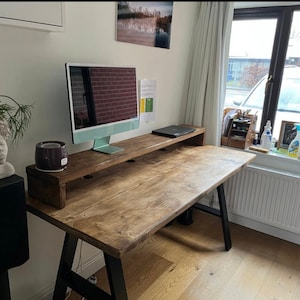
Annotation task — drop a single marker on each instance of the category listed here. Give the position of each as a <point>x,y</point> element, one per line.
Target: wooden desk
<point>123,205</point>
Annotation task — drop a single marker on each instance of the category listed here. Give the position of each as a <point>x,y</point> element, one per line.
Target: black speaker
<point>51,156</point>
<point>14,250</point>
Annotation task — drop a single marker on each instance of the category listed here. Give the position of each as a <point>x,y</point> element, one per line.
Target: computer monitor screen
<point>103,102</point>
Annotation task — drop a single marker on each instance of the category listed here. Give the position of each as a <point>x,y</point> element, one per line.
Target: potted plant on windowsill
<point>14,120</point>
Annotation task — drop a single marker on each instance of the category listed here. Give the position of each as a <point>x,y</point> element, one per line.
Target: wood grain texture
<point>50,187</point>
<point>122,206</point>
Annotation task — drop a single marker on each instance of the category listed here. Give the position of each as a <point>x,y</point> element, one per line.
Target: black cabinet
<point>14,250</point>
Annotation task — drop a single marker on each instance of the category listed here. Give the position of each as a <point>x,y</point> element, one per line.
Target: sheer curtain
<point>208,71</point>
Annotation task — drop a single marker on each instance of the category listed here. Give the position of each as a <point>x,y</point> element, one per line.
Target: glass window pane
<point>288,108</point>
<point>250,53</point>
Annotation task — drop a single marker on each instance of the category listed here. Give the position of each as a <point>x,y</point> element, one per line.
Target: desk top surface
<point>120,207</point>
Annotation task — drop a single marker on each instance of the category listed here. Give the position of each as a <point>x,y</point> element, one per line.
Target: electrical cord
<point>68,295</point>
<point>79,265</point>
<point>92,279</point>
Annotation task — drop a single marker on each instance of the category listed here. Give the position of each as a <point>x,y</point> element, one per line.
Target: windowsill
<point>277,159</point>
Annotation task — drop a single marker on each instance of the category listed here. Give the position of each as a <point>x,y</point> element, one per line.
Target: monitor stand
<point>102,145</point>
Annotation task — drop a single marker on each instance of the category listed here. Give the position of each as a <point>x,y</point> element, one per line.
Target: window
<point>264,64</point>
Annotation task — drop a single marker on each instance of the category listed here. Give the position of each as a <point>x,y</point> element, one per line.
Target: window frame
<point>284,15</point>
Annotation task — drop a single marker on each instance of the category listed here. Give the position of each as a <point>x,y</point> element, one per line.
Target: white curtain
<point>208,71</point>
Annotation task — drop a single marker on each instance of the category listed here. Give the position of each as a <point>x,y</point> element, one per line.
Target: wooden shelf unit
<point>241,132</point>
<point>51,187</point>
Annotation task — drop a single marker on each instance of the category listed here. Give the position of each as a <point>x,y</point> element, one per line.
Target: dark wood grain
<point>50,187</point>
<point>121,206</point>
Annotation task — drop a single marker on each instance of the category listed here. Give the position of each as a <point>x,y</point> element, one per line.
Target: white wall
<point>32,71</point>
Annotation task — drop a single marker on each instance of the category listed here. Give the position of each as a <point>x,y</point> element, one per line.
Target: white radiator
<point>266,196</point>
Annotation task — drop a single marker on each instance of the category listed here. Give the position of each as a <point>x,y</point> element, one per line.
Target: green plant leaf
<point>18,117</point>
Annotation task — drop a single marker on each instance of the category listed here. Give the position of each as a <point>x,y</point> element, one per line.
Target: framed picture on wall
<point>145,23</point>
<point>287,134</point>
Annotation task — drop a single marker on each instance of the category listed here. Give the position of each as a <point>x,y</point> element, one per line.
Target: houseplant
<point>14,120</point>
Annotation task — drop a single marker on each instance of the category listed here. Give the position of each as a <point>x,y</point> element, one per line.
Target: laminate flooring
<point>189,263</point>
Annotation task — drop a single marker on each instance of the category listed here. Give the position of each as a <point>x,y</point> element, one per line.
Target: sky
<point>164,7</point>
<point>254,39</point>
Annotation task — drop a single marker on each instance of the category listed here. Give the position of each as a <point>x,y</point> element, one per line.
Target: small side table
<point>14,249</point>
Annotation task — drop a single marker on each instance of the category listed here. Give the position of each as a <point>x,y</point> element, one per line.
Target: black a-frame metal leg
<point>65,266</point>
<point>116,277</point>
<point>187,217</point>
<point>68,278</point>
<point>224,217</point>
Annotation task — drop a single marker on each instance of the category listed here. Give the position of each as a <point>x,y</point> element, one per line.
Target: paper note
<point>147,99</point>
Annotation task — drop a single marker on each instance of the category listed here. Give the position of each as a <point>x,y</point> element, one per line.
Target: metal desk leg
<point>65,266</point>
<point>187,217</point>
<point>116,277</point>
<point>68,278</point>
<point>224,217</point>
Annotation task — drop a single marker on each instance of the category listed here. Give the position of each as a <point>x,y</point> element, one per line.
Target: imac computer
<point>103,102</point>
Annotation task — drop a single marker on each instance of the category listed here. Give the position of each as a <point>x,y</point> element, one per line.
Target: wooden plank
<point>282,279</point>
<point>122,206</point>
<point>87,162</point>
<point>49,187</point>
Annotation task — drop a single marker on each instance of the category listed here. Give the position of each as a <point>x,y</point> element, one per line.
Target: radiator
<point>267,196</point>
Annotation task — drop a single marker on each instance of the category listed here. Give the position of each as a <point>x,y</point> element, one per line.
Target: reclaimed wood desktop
<point>119,207</point>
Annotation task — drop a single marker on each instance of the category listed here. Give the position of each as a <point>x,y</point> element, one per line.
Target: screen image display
<point>102,101</point>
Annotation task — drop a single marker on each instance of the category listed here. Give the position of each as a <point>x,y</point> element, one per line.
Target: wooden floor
<point>190,263</point>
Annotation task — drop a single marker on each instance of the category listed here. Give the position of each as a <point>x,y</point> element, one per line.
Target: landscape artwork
<point>145,23</point>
